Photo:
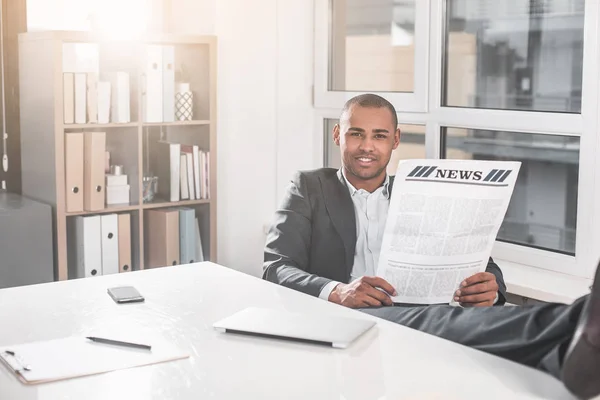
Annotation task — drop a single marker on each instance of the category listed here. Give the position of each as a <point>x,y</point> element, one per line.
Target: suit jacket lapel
<point>341,211</point>
<point>391,185</point>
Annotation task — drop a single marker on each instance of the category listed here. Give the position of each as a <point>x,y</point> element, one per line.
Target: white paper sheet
<point>442,223</point>
<point>77,356</point>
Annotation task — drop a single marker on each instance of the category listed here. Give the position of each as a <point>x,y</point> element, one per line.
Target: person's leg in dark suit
<point>563,340</point>
<point>545,331</point>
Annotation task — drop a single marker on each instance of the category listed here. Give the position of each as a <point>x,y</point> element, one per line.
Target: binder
<point>74,172</point>
<point>163,237</point>
<point>92,97</point>
<point>190,175</point>
<point>183,181</point>
<point>204,182</point>
<point>191,152</point>
<point>104,95</point>
<point>168,170</point>
<point>187,235</point>
<point>196,157</point>
<point>120,108</point>
<point>168,83</point>
<point>208,174</point>
<point>110,244</point>
<point>69,98</point>
<point>199,250</point>
<point>153,100</point>
<point>80,98</point>
<point>88,246</point>
<point>125,243</point>
<point>94,159</point>
<point>200,179</point>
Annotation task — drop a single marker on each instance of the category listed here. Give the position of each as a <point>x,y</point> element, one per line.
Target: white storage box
<point>117,194</point>
<point>116,180</point>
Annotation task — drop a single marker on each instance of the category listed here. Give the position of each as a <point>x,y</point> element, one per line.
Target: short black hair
<point>369,100</point>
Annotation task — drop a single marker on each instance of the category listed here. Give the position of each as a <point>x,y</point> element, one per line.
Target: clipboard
<point>72,357</point>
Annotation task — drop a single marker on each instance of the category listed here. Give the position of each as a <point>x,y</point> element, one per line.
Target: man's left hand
<point>479,290</point>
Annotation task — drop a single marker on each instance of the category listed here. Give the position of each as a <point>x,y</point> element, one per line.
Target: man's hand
<point>479,290</point>
<point>363,292</point>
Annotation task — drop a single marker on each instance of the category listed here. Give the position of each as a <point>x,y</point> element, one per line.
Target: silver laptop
<point>337,332</point>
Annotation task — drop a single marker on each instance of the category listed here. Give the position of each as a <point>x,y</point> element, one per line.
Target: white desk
<point>389,362</point>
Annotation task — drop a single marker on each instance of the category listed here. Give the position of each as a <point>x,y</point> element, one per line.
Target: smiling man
<point>328,233</point>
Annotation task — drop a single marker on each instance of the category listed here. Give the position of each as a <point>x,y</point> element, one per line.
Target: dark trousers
<point>536,335</point>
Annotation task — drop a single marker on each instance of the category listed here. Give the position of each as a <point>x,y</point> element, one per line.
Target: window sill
<point>543,285</point>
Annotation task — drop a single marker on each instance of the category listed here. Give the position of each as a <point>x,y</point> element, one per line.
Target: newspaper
<point>442,223</point>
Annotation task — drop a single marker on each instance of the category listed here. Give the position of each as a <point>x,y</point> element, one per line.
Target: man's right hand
<point>363,292</point>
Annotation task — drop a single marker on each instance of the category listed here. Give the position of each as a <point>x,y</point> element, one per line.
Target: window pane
<point>412,145</point>
<point>514,54</point>
<point>543,209</point>
<point>372,45</point>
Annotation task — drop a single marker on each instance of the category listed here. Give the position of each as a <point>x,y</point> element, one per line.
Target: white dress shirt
<point>371,211</point>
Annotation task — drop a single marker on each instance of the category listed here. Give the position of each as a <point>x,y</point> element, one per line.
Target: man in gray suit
<point>326,238</point>
<point>328,234</point>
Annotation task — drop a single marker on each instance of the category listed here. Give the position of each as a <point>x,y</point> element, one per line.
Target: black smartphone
<point>125,294</point>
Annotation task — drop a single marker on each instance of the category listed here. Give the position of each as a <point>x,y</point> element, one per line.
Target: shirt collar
<point>342,177</point>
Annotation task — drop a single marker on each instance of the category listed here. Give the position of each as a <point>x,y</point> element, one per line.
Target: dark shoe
<point>581,367</point>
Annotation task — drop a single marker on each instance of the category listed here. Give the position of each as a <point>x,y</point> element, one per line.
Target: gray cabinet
<point>26,250</point>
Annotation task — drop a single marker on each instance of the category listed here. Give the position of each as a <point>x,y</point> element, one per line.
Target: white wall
<point>77,14</point>
<point>194,16</point>
<point>246,129</point>
<point>295,112</point>
<point>265,115</point>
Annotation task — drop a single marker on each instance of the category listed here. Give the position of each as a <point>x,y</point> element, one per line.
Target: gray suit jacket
<point>313,238</point>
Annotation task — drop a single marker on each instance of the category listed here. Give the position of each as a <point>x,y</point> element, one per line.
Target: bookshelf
<point>43,131</point>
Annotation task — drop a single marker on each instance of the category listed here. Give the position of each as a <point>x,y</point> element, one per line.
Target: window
<point>517,54</point>
<point>543,208</point>
<point>372,46</point>
<point>412,145</point>
<point>491,80</point>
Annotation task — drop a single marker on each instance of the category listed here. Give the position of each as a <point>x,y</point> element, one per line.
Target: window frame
<point>435,117</point>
